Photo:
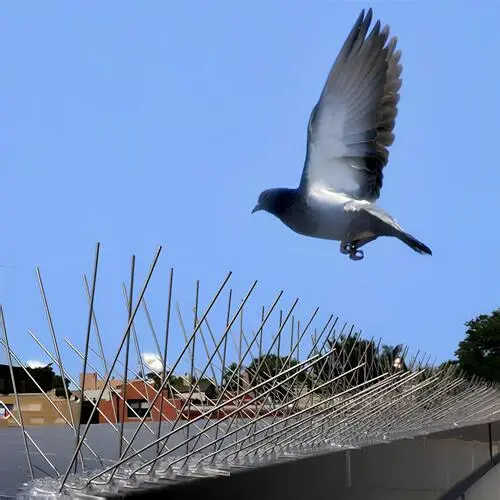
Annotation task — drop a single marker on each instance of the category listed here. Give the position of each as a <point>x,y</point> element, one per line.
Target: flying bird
<point>348,135</point>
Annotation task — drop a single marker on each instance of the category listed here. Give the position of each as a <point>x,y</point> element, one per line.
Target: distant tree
<point>61,393</point>
<point>231,377</point>
<point>174,380</point>
<point>44,377</point>
<point>350,352</point>
<point>265,367</point>
<point>202,384</point>
<point>57,384</point>
<point>479,353</point>
<point>391,357</point>
<point>177,382</point>
<point>448,369</point>
<point>154,377</point>
<point>447,365</point>
<point>361,356</point>
<point>48,380</point>
<point>211,392</point>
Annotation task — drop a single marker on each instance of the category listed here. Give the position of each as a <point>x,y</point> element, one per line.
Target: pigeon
<point>349,132</point>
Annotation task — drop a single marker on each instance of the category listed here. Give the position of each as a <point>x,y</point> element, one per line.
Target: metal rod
<point>87,341</point>
<point>300,367</point>
<point>113,390</point>
<point>58,354</point>
<point>251,434</point>
<point>99,344</point>
<point>167,379</point>
<point>287,361</point>
<point>165,350</point>
<point>224,354</point>
<point>238,367</point>
<point>142,366</point>
<point>106,381</point>
<point>72,380</point>
<point>25,432</point>
<point>45,395</point>
<point>16,394</point>
<point>190,395</point>
<point>127,353</point>
<point>151,327</point>
<point>274,423</point>
<point>293,407</point>
<point>191,374</point>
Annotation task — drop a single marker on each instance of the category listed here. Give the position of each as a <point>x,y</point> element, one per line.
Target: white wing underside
<point>351,126</point>
<point>327,166</point>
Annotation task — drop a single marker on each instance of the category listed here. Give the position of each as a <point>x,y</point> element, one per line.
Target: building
<point>93,382</point>
<point>37,408</point>
<point>48,409</point>
<point>138,395</point>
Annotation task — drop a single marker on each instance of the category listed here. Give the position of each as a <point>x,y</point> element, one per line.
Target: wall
<point>37,410</point>
<point>423,468</point>
<point>136,390</point>
<point>487,488</point>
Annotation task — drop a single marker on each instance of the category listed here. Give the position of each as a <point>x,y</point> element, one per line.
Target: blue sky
<point>144,123</point>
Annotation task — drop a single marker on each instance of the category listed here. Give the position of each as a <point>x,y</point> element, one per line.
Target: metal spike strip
<point>294,389</point>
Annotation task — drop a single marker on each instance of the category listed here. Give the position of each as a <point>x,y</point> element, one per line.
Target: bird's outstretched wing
<point>351,126</point>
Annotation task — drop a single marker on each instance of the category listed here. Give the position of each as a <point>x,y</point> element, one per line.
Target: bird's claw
<point>356,254</point>
<point>349,249</point>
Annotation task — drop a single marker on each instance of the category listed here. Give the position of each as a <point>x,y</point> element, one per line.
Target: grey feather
<point>364,84</point>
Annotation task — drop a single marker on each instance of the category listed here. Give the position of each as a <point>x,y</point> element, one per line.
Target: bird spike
<point>254,392</point>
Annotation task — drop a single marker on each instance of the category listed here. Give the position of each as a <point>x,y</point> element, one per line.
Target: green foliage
<point>154,377</point>
<point>177,382</point>
<point>48,380</point>
<point>57,384</point>
<point>447,365</point>
<point>349,352</point>
<point>479,353</point>
<point>60,392</point>
<point>44,377</point>
<point>264,367</point>
<point>231,377</point>
<point>174,381</point>
<point>211,392</point>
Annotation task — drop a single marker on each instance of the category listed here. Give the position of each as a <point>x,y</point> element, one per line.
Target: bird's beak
<point>256,208</point>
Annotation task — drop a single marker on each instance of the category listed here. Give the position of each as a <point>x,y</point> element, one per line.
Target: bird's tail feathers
<point>413,243</point>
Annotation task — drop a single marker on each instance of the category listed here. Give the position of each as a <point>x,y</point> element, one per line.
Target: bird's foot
<point>345,247</point>
<point>356,254</point>
<point>351,249</point>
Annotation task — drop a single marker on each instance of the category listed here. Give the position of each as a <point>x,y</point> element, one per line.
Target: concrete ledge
<point>423,468</point>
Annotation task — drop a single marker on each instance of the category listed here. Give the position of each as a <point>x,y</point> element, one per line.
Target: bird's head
<point>275,201</point>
